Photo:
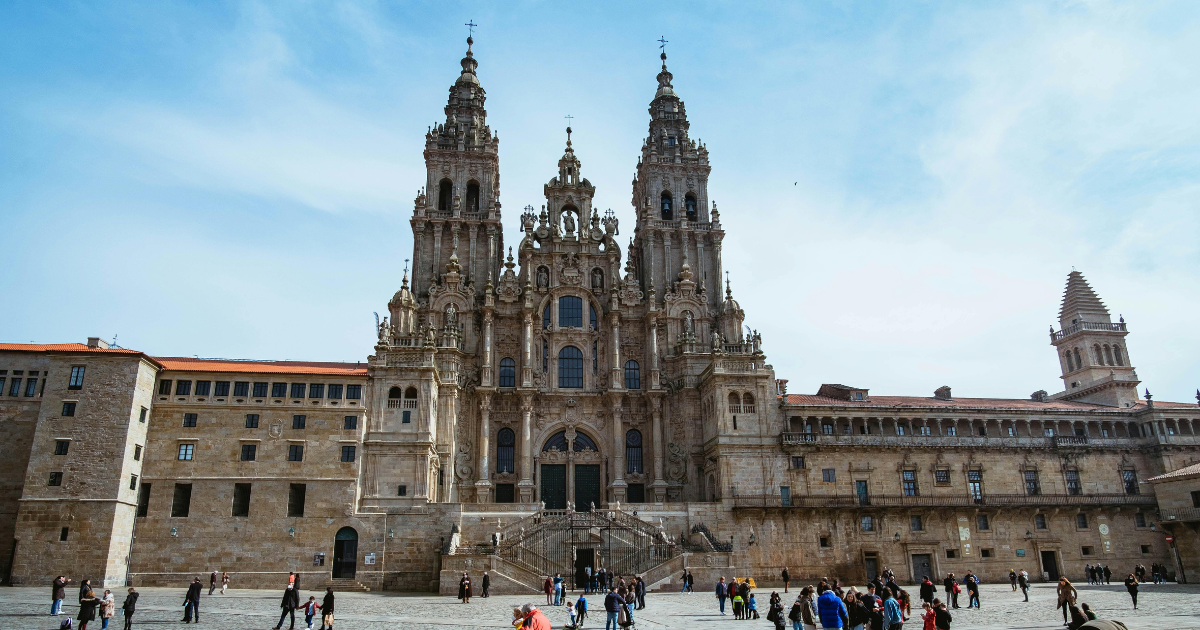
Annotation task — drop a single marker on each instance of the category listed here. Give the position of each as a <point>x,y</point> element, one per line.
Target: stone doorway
<point>587,487</point>
<point>345,553</point>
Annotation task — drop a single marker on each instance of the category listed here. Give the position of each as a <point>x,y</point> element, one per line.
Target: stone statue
<point>568,223</point>
<point>689,324</point>
<point>716,341</point>
<point>383,330</point>
<point>451,315</point>
<point>543,277</point>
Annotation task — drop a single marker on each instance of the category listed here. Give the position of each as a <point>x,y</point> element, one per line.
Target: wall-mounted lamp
<point>751,538</point>
<point>896,538</point>
<point>1151,526</point>
<point>1028,535</point>
<point>174,532</point>
<point>391,533</point>
<point>292,532</point>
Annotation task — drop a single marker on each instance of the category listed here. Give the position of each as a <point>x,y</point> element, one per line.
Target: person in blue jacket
<point>832,611</point>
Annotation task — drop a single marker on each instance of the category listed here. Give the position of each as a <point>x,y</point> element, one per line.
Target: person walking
<point>691,583</point>
<point>310,610</point>
<point>1107,575</point>
<point>128,607</point>
<point>775,613</point>
<point>1131,585</point>
<point>191,601</point>
<point>722,591</point>
<point>464,588</point>
<point>108,607</point>
<point>1012,579</point>
<point>951,585</point>
<point>787,577</point>
<point>612,606</point>
<point>88,603</point>
<point>487,582</point>
<point>58,592</point>
<point>212,582</point>
<point>1067,594</point>
<point>640,589</point>
<point>927,590</point>
<point>327,609</point>
<point>291,601</point>
<point>943,618</point>
<point>581,608</point>
<point>972,589</point>
<point>1023,584</point>
<point>548,588</point>
<point>893,618</point>
<point>224,581</point>
<point>832,610</point>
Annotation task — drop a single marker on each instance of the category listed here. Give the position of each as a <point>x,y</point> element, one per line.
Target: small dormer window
<point>670,141</point>
<point>858,395</point>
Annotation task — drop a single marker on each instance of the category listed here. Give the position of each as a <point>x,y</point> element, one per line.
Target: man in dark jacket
<point>84,587</point>
<point>972,583</point>
<point>291,601</point>
<point>1023,584</point>
<point>58,593</point>
<point>612,605</point>
<point>1107,574</point>
<point>191,601</point>
<point>212,582</point>
<point>639,590</point>
<point>129,607</point>
<point>951,596</point>
<point>327,608</point>
<point>786,578</point>
<point>487,581</point>
<point>927,590</point>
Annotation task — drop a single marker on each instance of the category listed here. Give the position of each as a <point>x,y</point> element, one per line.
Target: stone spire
<point>1081,303</point>
<point>1092,353</point>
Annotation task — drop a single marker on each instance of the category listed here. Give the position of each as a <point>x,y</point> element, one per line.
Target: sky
<point>904,186</point>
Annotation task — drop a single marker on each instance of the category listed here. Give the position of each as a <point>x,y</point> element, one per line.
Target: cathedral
<point>556,405</point>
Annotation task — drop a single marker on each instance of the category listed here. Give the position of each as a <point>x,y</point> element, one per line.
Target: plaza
<point>1162,607</point>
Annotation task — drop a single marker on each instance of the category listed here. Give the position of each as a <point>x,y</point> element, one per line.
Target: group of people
<point>740,596</point>
<point>1097,574</point>
<point>91,606</point>
<point>884,606</point>
<point>1068,602</point>
<point>598,580</point>
<point>465,589</point>
<point>291,603</point>
<point>1158,573</point>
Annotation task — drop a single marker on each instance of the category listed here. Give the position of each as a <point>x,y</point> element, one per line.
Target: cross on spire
<point>662,43</point>
<point>471,27</point>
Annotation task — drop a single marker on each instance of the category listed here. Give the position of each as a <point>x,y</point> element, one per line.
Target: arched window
<point>411,393</point>
<point>735,403</point>
<point>584,443</point>
<point>1108,355</point>
<point>570,312</point>
<point>508,372</point>
<point>570,368</point>
<point>472,196</point>
<point>592,317</point>
<point>1070,362</point>
<point>556,442</point>
<point>445,195</point>
<point>689,207</point>
<point>1117,355</point>
<point>633,451</point>
<point>667,213</point>
<point>633,375</point>
<point>546,317</point>
<point>1078,359</point>
<point>1099,357</point>
<point>506,447</point>
<point>394,392</point>
<point>747,403</point>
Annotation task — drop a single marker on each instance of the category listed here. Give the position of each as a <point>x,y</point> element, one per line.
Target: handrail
<point>1067,331</point>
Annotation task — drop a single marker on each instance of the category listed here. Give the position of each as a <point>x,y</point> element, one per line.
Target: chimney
<point>96,342</point>
<point>942,393</point>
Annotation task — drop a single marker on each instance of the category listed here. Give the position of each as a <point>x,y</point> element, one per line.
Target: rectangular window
<point>797,462</point>
<point>335,392</point>
<point>1049,432</point>
<point>1039,521</point>
<point>827,429</point>
<point>181,501</point>
<point>61,447</point>
<point>221,389</point>
<point>30,387</point>
<point>241,499</point>
<point>298,390</point>
<point>910,483</point>
<point>941,476</point>
<point>353,392</point>
<point>55,479</point>
<point>183,388</point>
<point>636,493</point>
<point>924,429</point>
<point>142,415</point>
<point>137,453</point>
<point>76,381</point>
<point>164,387</point>
<point>570,312</point>
<point>347,453</point>
<point>1129,478</point>
<point>241,388</point>
<point>1081,521</point>
<point>1032,487</point>
<point>62,534</point>
<point>68,409</point>
<point>249,452</point>
<point>298,422</point>
<point>143,506</point>
<point>133,482</point>
<point>981,522</point>
<point>868,524</point>
<point>406,417</point>
<point>296,453</point>
<point>316,390</point>
<point>1139,519</point>
<point>1011,432</point>
<point>915,523</point>
<point>785,496</point>
<point>186,451</point>
<point>1196,498</point>
<point>2,379</point>
<point>296,500</point>
<point>260,390</point>
<point>505,493</point>
<point>189,419</point>
<point>828,475</point>
<point>951,554</point>
<point>987,553</point>
<point>824,541</point>
<point>952,431</point>
<point>1085,550</point>
<point>1145,548</point>
<point>1073,485</point>
<point>350,423</point>
<point>899,429</point>
<point>975,484</point>
<point>402,491</point>
<point>860,491</point>
<point>251,421</point>
<point>278,390</point>
<point>203,387</point>
<point>15,389</point>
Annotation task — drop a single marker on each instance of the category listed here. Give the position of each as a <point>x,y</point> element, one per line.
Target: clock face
<point>1103,530</point>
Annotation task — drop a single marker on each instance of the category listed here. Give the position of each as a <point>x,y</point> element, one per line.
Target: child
<point>737,606</point>
<point>310,609</point>
<point>753,606</point>
<point>580,611</point>
<point>929,617</point>
<point>572,622</point>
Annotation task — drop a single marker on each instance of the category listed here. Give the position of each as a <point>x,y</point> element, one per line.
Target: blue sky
<point>904,186</point>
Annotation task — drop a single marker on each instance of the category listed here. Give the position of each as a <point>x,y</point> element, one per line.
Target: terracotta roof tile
<point>62,347</point>
<point>186,364</point>
<point>1186,471</point>
<point>978,403</point>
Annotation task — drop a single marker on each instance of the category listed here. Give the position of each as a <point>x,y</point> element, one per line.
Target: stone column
<point>491,259</point>
<point>659,485</point>
<point>483,483</point>
<point>618,457</point>
<point>418,247</point>
<point>652,340</point>
<point>437,249</point>
<point>527,351</point>
<point>526,482</point>
<point>472,233</point>
<point>486,374</point>
<point>614,324</point>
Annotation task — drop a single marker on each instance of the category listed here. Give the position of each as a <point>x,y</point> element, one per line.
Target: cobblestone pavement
<point>1164,607</point>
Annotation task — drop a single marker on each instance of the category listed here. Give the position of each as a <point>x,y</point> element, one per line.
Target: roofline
<point>116,352</point>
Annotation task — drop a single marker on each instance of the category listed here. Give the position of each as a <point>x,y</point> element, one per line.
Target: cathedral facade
<point>568,402</point>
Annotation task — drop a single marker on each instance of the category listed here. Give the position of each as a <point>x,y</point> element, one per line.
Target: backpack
<point>65,625</point>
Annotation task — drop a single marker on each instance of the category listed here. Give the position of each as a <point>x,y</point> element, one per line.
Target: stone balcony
<point>958,441</point>
<point>1179,515</point>
<point>1082,326</point>
<point>966,501</point>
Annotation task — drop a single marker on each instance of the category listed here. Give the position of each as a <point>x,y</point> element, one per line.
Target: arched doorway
<point>345,553</point>
<point>570,460</point>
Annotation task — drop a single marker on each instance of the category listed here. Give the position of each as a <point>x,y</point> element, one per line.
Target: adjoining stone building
<point>551,406</point>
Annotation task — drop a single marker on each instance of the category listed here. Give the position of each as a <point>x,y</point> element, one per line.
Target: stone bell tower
<point>458,210</point>
<point>670,197</point>
<point>1091,349</point>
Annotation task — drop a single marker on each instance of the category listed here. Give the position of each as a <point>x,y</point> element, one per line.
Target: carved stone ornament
<point>275,430</point>
<point>691,184</point>
<point>569,271</point>
<point>676,463</point>
<point>462,461</point>
<point>666,181</point>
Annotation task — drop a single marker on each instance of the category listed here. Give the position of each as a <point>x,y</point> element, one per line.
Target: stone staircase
<point>346,585</point>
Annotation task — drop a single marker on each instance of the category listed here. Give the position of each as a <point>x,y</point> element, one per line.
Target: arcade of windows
<point>242,389</point>
<point>445,201</point>
<point>1102,354</point>
<point>667,206</point>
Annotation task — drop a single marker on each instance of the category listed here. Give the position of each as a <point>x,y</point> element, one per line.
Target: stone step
<point>344,585</point>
